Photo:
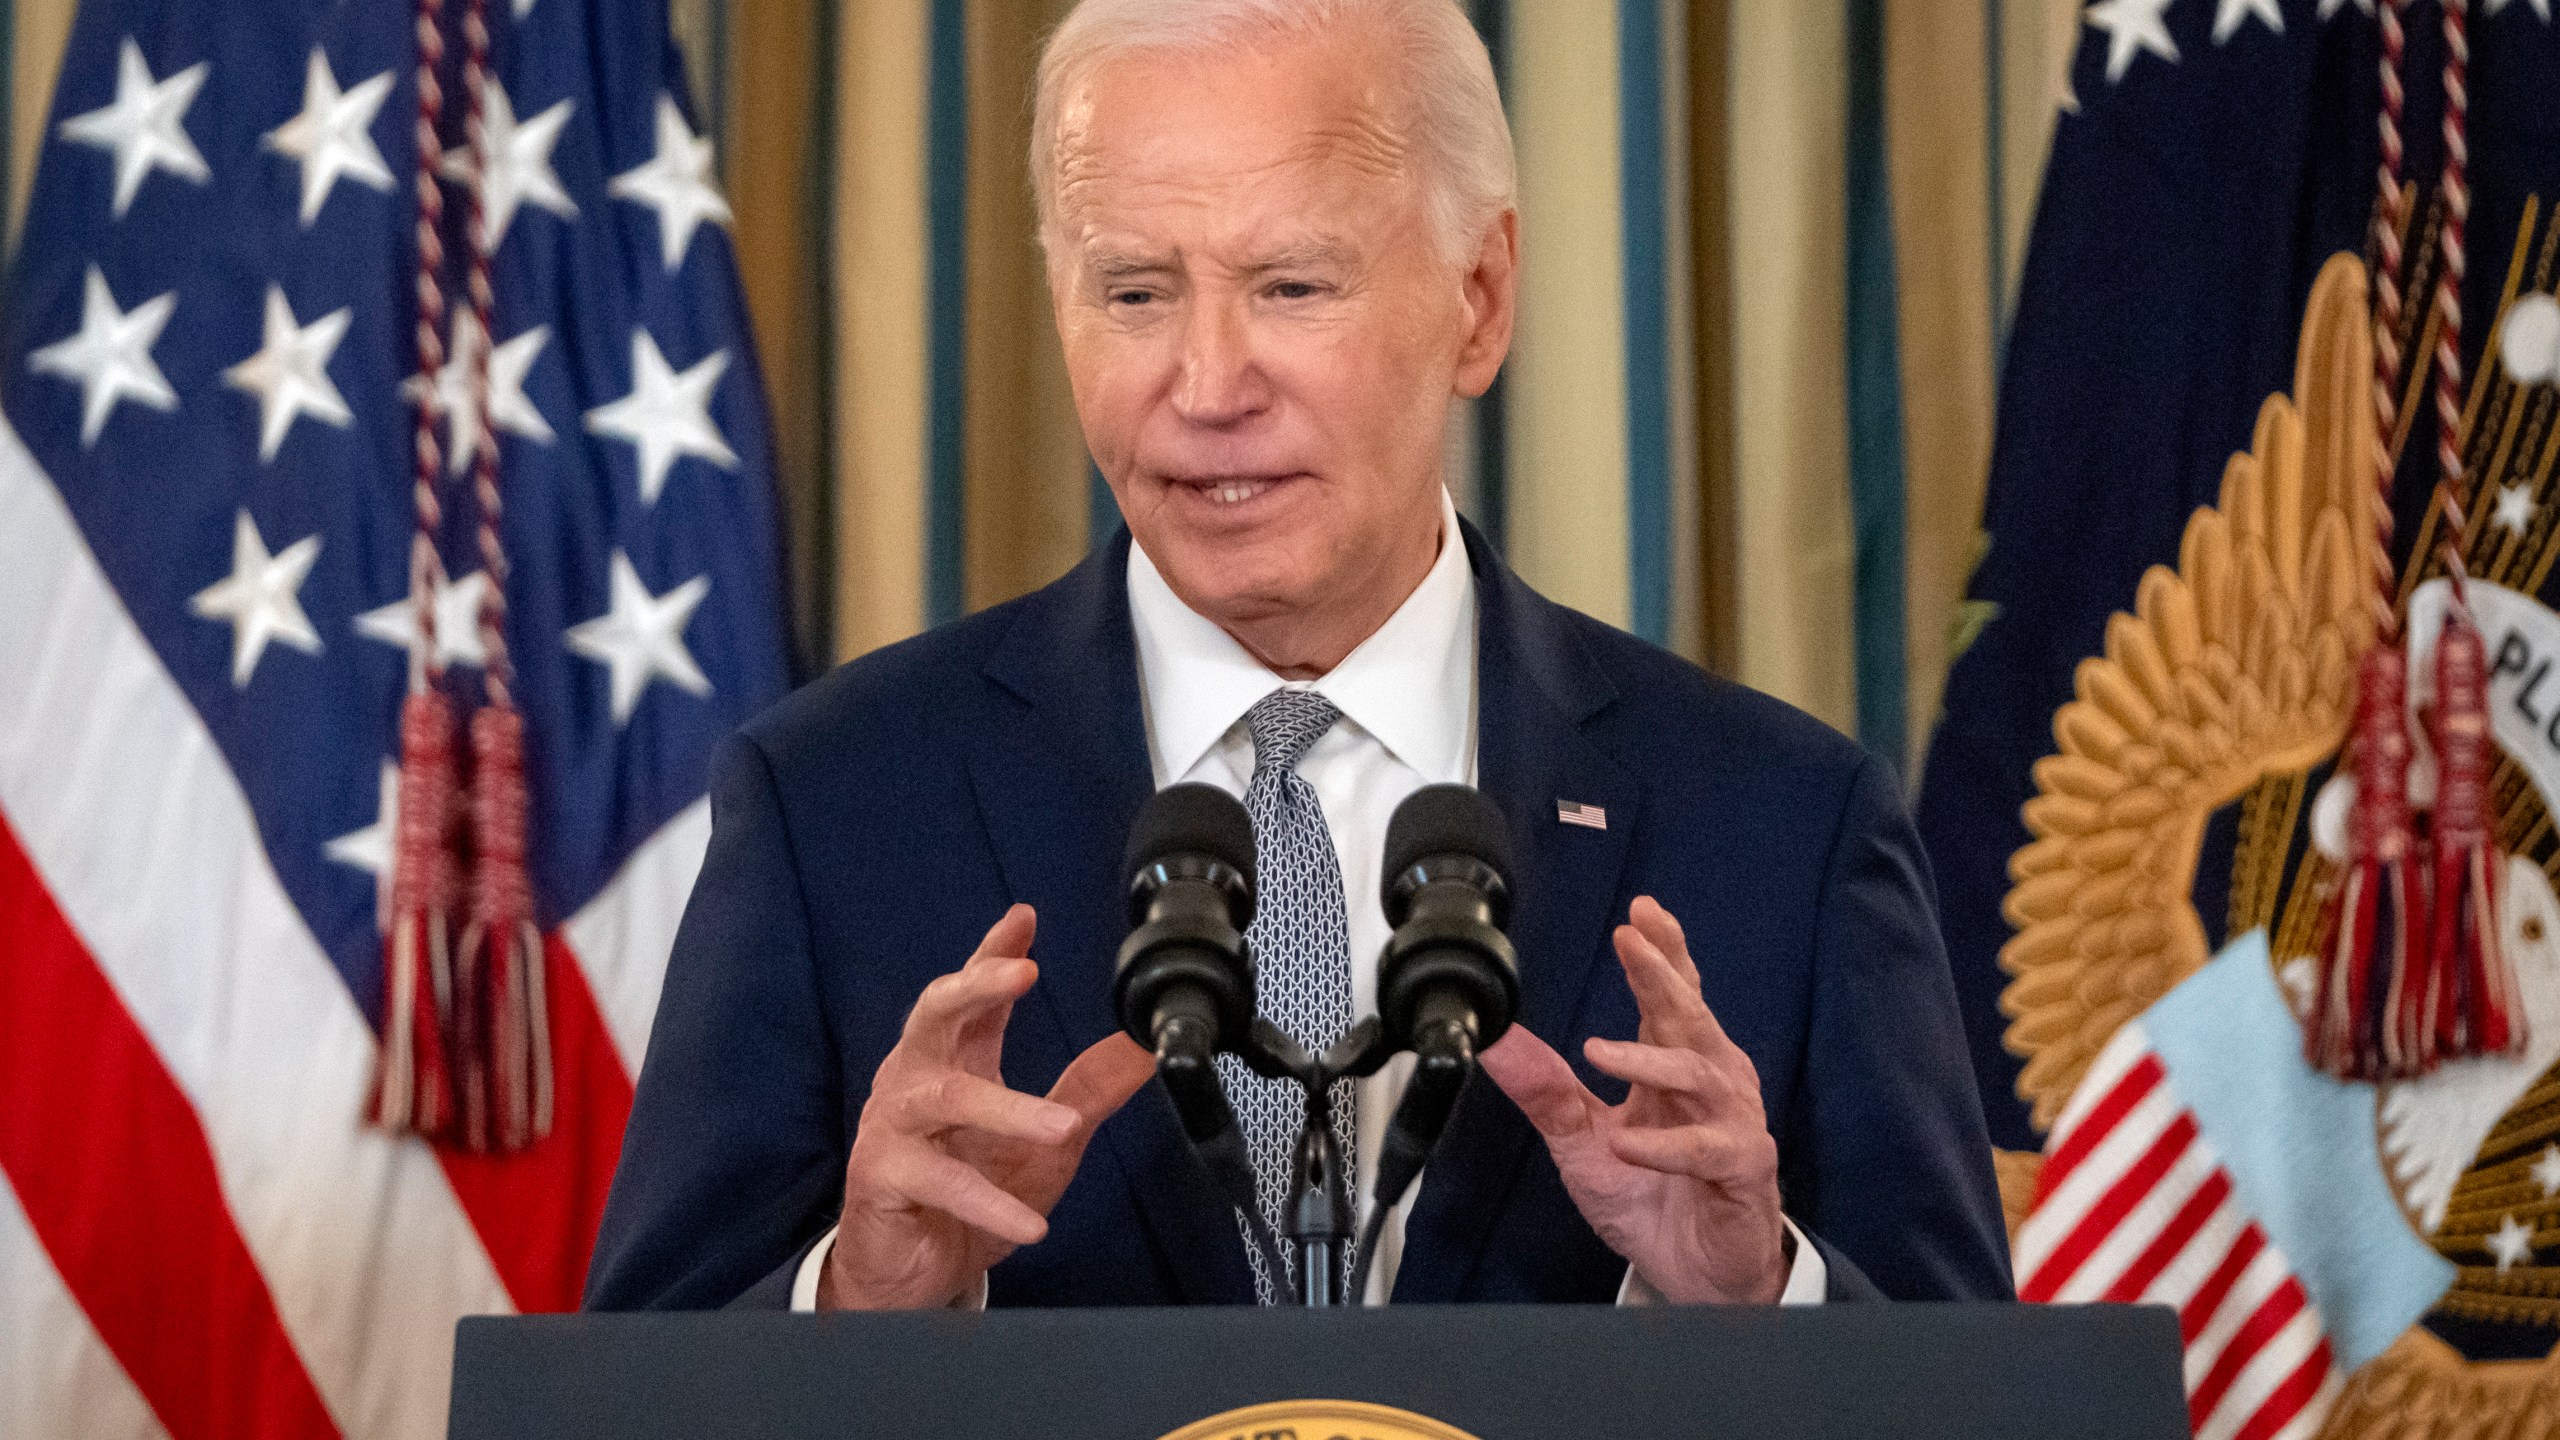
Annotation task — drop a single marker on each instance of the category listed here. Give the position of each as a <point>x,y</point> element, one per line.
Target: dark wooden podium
<point>1492,1372</point>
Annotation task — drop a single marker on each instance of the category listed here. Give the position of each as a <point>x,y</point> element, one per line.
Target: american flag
<point>1575,812</point>
<point>209,369</point>
<point>2203,1165</point>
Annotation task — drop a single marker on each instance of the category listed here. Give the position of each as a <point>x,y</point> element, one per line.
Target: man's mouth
<point>1233,489</point>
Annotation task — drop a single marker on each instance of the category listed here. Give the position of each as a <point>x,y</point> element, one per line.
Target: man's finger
<point>980,1046</point>
<point>1010,937</point>
<point>1540,1082</point>
<point>1682,1073</point>
<point>1663,928</point>
<point>983,989</point>
<point>1663,996</point>
<point>954,1099</point>
<point>922,1175</point>
<point>1667,998</point>
<point>1717,1154</point>
<point>1101,1080</point>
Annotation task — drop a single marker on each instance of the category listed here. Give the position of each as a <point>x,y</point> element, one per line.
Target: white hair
<point>1461,138</point>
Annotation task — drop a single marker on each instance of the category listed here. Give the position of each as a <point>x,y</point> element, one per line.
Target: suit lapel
<point>1060,770</point>
<point>1535,687</point>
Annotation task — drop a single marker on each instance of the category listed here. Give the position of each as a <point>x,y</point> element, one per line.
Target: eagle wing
<point>2236,665</point>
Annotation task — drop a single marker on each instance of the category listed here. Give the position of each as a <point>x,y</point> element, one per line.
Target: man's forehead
<point>1150,128</point>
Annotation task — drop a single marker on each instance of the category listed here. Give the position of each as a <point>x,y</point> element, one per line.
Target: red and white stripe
<point>2134,1206</point>
<point>200,1237</point>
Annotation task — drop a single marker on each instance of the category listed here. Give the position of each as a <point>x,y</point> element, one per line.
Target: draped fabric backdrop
<point>1748,413</point>
<point>1769,248</point>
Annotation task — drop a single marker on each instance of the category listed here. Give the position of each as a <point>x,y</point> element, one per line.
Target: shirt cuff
<point>1808,1277</point>
<point>804,1285</point>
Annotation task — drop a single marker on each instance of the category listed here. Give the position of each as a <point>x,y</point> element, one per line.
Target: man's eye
<point>1293,290</point>
<point>1132,297</point>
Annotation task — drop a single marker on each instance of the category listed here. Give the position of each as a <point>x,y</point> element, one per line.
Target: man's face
<point>1263,337</point>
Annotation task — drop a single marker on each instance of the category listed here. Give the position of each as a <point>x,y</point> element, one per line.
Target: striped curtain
<point>1769,248</point>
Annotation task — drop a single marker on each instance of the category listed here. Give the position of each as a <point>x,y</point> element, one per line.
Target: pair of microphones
<point>1448,986</point>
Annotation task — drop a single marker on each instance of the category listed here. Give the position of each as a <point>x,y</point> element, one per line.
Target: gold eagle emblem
<point>2230,683</point>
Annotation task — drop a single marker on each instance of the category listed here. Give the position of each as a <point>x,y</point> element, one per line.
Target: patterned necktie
<point>1301,936</point>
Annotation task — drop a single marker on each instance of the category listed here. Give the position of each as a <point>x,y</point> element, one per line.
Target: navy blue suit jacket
<point>868,829</point>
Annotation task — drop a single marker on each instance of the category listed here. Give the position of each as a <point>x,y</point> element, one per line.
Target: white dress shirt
<point>1408,699</point>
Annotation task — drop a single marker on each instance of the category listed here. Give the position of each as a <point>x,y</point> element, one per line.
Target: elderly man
<point>1281,239</point>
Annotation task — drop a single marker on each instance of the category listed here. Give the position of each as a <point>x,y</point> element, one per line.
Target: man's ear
<point>1492,289</point>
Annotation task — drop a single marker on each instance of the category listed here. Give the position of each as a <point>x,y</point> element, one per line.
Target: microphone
<point>1184,984</point>
<point>1449,982</point>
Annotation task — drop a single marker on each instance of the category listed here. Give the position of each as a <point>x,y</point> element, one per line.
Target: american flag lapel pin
<point>1574,812</point>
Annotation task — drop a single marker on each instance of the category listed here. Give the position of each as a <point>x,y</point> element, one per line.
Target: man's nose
<point>1219,383</point>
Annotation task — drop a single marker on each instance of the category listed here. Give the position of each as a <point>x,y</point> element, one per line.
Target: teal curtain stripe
<point>1995,171</point>
<point>1492,436</point>
<point>819,177</point>
<point>1646,298</point>
<point>1875,402</point>
<point>715,93</point>
<point>947,312</point>
<point>8,113</point>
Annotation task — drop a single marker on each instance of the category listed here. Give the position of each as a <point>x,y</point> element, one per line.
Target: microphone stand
<point>1318,1216</point>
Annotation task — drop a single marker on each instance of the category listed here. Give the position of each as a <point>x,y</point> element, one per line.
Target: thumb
<point>1540,1082</point>
<point>1101,1080</point>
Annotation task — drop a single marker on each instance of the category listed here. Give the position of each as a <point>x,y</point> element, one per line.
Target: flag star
<point>451,395</point>
<point>141,125</point>
<point>2541,8</point>
<point>2546,1171</point>
<point>290,372</point>
<point>2512,1245</point>
<point>641,638</point>
<point>261,598</point>
<point>333,136</point>
<point>457,622</point>
<point>2230,15</point>
<point>676,182</point>
<point>370,849</point>
<point>667,415</point>
<point>517,166</point>
<point>2332,7</point>
<point>110,355</point>
<point>2515,508</point>
<point>2133,25</point>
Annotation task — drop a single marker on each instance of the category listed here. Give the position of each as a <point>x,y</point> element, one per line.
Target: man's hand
<point>1682,1179</point>
<point>951,1171</point>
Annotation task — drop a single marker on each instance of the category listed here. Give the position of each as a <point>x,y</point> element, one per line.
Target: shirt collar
<point>1411,684</point>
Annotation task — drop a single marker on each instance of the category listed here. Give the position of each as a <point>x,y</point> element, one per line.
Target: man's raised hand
<point>951,1171</point>
<point>1682,1178</point>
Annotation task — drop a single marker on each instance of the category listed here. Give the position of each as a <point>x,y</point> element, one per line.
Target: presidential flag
<point>2213,156</point>
<point>293,275</point>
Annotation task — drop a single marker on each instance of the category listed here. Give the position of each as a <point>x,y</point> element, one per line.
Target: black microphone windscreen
<point>1192,819</point>
<point>1447,820</point>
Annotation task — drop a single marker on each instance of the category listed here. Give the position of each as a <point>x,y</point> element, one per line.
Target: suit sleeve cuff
<point>1808,1277</point>
<point>804,1285</point>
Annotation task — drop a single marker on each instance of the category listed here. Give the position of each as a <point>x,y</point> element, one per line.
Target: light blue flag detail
<point>2300,1147</point>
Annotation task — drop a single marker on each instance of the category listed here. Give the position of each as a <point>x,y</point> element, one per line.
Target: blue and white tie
<point>1301,936</point>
